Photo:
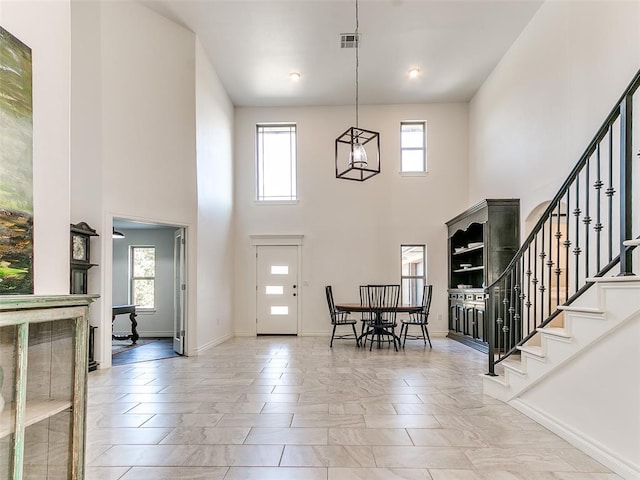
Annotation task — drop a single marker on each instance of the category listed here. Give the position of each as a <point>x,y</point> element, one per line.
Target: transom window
<point>276,162</point>
<point>413,146</point>
<point>142,274</point>
<point>414,273</point>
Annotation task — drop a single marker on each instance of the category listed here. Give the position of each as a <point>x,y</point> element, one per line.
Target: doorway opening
<point>148,291</point>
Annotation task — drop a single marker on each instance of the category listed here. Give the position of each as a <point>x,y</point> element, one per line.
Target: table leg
<point>134,325</point>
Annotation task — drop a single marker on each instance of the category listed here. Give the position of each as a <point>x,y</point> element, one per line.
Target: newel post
<point>626,168</point>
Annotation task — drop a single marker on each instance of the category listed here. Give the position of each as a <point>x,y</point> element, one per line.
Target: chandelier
<point>357,152</point>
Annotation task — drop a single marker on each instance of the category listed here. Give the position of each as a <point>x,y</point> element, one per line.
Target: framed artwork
<point>16,166</point>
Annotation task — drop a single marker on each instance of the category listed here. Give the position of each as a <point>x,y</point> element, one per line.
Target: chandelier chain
<point>357,61</point>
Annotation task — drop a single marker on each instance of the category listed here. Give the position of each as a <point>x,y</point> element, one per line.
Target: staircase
<point>610,304</point>
<point>563,319</point>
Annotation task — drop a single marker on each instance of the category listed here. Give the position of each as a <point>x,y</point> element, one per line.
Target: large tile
<point>255,420</point>
<point>327,420</point>
<point>401,421</point>
<point>287,436</point>
<point>519,458</point>
<point>128,436</point>
<point>378,474</point>
<point>190,456</point>
<point>327,456</point>
<point>175,473</point>
<point>105,473</point>
<point>276,473</point>
<point>421,457</point>
<point>368,436</point>
<point>193,435</point>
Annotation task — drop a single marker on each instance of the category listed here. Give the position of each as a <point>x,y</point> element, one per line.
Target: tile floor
<point>292,408</point>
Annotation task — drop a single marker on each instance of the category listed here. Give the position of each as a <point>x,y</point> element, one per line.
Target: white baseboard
<point>623,467</point>
<point>213,343</point>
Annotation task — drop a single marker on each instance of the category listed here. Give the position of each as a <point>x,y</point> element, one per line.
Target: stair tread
<point>556,331</point>
<point>571,308</point>
<point>625,279</point>
<point>532,349</point>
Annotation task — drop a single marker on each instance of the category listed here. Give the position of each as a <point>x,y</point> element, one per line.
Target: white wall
<point>352,231</point>
<point>157,123</point>
<point>159,322</point>
<point>595,399</point>
<point>537,111</point>
<point>44,27</point>
<point>214,143</point>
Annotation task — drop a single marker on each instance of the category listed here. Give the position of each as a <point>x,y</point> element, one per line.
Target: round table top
<point>357,307</point>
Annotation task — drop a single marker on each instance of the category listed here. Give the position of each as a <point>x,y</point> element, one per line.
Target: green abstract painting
<point>16,166</point>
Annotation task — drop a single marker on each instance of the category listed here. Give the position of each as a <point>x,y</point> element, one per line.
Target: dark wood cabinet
<point>481,242</point>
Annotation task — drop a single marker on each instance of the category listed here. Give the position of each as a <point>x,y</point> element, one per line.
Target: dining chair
<point>367,320</point>
<point>339,318</point>
<point>419,318</point>
<point>383,303</point>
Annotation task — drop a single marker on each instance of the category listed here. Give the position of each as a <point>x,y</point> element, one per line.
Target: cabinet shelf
<point>468,249</point>
<point>470,269</point>
<point>35,412</point>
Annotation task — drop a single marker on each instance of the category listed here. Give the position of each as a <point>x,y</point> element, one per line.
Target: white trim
<point>213,343</point>
<point>413,174</point>
<point>274,240</point>
<point>268,240</point>
<point>578,439</point>
<point>276,202</point>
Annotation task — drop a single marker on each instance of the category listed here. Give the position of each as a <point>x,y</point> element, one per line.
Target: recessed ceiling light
<point>294,76</point>
<point>414,72</point>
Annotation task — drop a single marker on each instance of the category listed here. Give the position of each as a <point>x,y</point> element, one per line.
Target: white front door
<point>277,290</point>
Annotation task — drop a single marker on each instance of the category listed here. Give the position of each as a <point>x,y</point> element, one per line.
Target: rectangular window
<point>142,274</point>
<point>414,273</point>
<point>413,147</point>
<point>276,162</point>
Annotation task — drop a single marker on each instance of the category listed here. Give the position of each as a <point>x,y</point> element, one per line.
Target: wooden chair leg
<point>332,335</point>
<point>426,330</point>
<point>355,334</point>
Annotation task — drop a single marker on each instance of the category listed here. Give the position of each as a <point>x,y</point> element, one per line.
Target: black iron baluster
<point>609,192</point>
<point>542,287</point>
<point>558,270</point>
<point>586,219</point>
<point>528,274</point>
<point>517,305</point>
<point>534,281</point>
<point>567,245</point>
<point>505,316</point>
<point>598,226</point>
<point>512,323</point>
<point>550,266</point>
<point>576,249</point>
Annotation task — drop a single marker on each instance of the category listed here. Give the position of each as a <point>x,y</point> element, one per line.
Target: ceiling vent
<point>350,40</point>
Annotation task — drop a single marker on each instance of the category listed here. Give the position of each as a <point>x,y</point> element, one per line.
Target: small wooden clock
<point>80,256</point>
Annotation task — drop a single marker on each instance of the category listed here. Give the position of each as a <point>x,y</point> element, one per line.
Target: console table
<point>121,310</point>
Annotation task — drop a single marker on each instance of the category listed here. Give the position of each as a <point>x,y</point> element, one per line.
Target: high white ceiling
<point>255,44</point>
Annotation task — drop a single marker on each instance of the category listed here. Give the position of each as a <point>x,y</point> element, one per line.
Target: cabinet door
<point>48,412</point>
<point>8,355</point>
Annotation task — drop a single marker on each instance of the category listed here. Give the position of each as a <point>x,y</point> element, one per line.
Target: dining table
<point>377,311</point>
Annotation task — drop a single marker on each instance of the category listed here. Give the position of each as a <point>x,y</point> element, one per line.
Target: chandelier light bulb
<point>358,156</point>
<point>414,72</point>
<point>294,76</point>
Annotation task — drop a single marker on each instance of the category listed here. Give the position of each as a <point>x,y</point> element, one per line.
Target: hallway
<point>292,408</point>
